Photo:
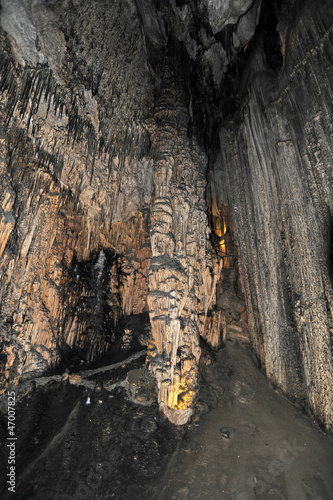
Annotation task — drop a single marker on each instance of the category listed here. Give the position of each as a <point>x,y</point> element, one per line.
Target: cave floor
<point>245,442</point>
<point>252,444</point>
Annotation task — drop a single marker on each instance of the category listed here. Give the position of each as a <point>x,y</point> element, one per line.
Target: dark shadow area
<point>75,444</point>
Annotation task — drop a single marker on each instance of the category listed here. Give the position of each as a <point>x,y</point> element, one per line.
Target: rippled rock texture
<point>275,173</point>
<point>103,192</point>
<point>184,270</point>
<point>76,179</point>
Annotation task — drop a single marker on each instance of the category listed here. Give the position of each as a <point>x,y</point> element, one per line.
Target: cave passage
<point>166,212</point>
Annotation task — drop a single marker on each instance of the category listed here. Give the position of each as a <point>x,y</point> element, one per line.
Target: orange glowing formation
<point>222,241</point>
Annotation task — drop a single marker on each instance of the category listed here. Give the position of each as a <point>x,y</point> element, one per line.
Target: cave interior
<point>166,217</point>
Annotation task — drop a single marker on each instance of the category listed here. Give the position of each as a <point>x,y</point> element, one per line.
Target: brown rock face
<point>76,182</point>
<point>103,199</point>
<point>275,173</point>
<point>107,112</point>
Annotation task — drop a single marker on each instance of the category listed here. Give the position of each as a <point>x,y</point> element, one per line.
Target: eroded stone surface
<point>275,173</point>
<point>183,271</point>
<point>76,180</point>
<point>95,149</point>
<point>103,106</point>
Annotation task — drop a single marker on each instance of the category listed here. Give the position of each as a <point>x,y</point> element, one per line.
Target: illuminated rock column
<point>183,270</point>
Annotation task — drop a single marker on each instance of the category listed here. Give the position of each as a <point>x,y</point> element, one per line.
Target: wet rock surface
<point>275,173</point>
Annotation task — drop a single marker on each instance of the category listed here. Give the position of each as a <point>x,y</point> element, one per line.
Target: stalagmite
<point>183,270</point>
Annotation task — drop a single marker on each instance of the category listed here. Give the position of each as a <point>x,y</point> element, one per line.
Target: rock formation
<point>76,178</point>
<point>275,173</point>
<point>89,159</point>
<point>183,271</point>
<point>135,138</point>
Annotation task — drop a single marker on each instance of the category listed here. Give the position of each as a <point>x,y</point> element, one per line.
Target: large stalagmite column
<point>183,271</point>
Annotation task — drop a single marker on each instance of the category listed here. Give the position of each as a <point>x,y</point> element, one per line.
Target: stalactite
<point>225,36</point>
<point>58,132</point>
<point>8,83</point>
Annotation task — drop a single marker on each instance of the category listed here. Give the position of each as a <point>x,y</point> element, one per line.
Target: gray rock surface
<point>275,173</point>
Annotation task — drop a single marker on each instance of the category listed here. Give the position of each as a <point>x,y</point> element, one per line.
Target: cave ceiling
<point>209,39</point>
